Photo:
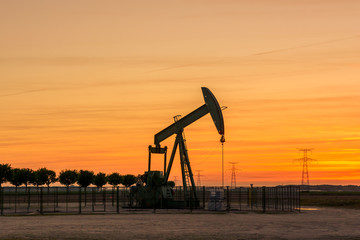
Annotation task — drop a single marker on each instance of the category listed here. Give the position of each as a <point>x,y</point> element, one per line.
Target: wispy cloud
<point>274,51</point>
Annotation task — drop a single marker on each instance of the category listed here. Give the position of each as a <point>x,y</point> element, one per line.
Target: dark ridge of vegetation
<point>332,193</point>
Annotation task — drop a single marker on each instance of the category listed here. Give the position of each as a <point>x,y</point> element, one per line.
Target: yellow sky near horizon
<point>87,84</point>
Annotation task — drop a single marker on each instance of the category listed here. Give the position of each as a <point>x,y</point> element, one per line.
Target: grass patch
<point>331,199</point>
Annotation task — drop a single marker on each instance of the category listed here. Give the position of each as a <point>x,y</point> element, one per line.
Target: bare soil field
<point>324,223</point>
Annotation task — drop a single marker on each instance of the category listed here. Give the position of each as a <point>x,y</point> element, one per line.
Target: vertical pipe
<point>222,163</point>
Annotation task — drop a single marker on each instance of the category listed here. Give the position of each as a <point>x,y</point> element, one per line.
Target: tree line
<point>44,176</point>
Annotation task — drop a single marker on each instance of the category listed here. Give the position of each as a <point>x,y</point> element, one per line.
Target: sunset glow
<point>87,85</point>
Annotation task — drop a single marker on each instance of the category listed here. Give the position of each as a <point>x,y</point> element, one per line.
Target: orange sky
<point>87,84</point>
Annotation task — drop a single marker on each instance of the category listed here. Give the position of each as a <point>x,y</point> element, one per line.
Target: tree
<point>28,175</point>
<point>114,179</point>
<point>5,173</point>
<point>129,180</point>
<point>17,178</point>
<point>51,177</point>
<point>85,178</point>
<point>100,180</point>
<point>41,176</point>
<point>68,177</point>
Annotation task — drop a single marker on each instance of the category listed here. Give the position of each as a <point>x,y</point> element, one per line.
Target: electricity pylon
<point>233,174</point>
<point>175,180</point>
<point>198,178</point>
<point>305,171</point>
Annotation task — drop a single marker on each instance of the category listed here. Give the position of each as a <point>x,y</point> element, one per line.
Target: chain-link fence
<point>43,200</point>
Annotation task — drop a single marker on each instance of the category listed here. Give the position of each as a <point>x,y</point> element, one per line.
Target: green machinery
<point>157,192</point>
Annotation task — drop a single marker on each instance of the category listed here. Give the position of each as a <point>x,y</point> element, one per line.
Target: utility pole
<point>233,174</point>
<point>305,171</point>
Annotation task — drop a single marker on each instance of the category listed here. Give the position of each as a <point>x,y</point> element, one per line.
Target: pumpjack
<point>157,192</point>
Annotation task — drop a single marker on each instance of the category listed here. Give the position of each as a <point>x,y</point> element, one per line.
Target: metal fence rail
<point>43,200</point>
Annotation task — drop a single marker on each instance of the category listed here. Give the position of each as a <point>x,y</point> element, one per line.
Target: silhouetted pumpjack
<point>211,106</point>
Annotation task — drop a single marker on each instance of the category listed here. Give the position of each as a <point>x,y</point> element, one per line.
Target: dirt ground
<point>324,223</point>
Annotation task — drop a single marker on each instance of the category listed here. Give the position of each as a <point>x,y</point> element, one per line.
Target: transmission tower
<point>198,178</point>
<point>233,174</point>
<point>175,180</point>
<point>305,171</point>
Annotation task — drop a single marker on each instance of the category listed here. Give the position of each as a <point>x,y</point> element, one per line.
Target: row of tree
<point>42,176</point>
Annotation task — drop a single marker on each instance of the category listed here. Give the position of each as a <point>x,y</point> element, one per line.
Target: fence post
<point>204,197</point>
<point>93,199</point>
<point>227,199</point>
<point>117,200</point>
<point>2,200</point>
<point>79,200</point>
<point>104,198</point>
<point>263,199</point>
<point>67,196</point>
<point>250,196</point>
<point>54,189</point>
<point>239,198</point>
<point>153,201</point>
<point>112,195</point>
<point>57,196</point>
<point>41,201</point>
<point>85,196</point>
<point>191,200</point>
<point>28,198</point>
<point>15,198</point>
<point>299,198</point>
